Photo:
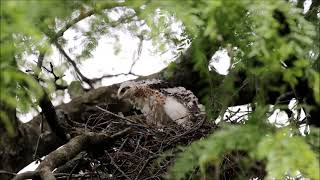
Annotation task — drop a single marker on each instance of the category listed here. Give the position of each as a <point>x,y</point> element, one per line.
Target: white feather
<point>175,110</point>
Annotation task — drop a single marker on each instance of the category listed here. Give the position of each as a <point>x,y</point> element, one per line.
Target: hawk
<point>161,106</point>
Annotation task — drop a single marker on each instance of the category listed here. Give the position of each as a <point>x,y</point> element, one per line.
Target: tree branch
<point>51,117</point>
<point>40,60</point>
<point>84,15</point>
<point>56,77</point>
<point>74,65</point>
<point>66,152</point>
<point>90,82</point>
<point>48,108</point>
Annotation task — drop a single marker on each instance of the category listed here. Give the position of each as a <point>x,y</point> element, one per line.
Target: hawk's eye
<point>124,90</point>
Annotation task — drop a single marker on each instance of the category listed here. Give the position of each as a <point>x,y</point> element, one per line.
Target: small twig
<point>8,173</point>
<point>145,165</point>
<point>71,172</point>
<point>116,166</point>
<point>124,118</point>
<point>135,150</point>
<point>139,50</point>
<point>131,67</point>
<point>114,75</point>
<point>73,63</point>
<point>282,96</point>
<point>232,114</point>
<point>39,138</point>
<point>51,71</point>
<point>122,144</point>
<point>65,175</point>
<point>195,128</point>
<point>40,59</point>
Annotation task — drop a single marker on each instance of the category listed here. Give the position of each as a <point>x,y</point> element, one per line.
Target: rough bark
<point>85,141</point>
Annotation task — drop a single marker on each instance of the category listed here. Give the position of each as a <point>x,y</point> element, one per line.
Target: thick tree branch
<point>74,65</point>
<point>48,109</point>
<point>90,82</point>
<point>17,153</point>
<point>54,38</point>
<point>84,15</point>
<point>51,116</point>
<point>63,154</point>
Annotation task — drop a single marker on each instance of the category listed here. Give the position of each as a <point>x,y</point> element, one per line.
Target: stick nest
<point>145,153</point>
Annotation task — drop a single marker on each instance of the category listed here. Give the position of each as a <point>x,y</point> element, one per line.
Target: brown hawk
<point>162,106</point>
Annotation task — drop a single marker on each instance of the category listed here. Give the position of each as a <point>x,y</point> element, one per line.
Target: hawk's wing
<point>184,96</point>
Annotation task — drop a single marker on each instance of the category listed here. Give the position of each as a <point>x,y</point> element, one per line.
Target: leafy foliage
<point>212,149</point>
<point>284,154</point>
<point>28,29</point>
<point>268,34</point>
<point>259,36</point>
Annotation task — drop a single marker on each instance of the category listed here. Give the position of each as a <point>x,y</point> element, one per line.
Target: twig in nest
<point>130,122</point>
<point>7,173</point>
<point>145,165</point>
<point>116,166</point>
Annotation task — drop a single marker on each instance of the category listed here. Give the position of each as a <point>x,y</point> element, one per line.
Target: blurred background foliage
<point>266,40</point>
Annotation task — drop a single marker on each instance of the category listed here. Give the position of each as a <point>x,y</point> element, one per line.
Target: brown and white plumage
<point>160,107</point>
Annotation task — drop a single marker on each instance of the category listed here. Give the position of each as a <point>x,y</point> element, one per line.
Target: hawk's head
<point>126,90</point>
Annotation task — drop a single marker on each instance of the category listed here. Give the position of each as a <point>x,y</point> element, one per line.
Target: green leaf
<point>288,155</point>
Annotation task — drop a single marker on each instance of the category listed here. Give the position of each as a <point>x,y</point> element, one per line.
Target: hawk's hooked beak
<point>118,94</point>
